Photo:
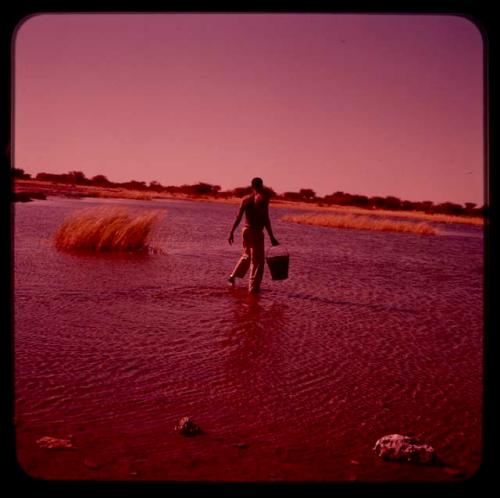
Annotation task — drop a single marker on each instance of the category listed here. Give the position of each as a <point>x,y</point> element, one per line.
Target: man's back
<point>256,208</point>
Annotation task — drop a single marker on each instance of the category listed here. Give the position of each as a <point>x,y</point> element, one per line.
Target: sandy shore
<point>78,191</point>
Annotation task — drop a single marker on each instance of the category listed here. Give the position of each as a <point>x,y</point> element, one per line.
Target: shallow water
<point>373,333</point>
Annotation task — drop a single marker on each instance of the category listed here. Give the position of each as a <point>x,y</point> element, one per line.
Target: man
<point>256,209</point>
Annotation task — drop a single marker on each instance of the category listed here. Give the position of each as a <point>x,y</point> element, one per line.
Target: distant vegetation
<point>19,173</point>
<point>363,223</point>
<point>303,195</point>
<point>106,230</point>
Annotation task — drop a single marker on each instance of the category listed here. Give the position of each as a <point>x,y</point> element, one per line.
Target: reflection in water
<point>256,322</point>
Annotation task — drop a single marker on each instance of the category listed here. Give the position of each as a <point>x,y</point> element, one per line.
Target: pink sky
<point>366,104</point>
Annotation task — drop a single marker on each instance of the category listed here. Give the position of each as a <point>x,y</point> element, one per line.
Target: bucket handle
<point>278,246</point>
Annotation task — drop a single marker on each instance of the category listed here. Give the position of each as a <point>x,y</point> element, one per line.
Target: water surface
<point>373,333</point>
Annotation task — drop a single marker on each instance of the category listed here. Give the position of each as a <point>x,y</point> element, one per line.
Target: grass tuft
<point>106,230</point>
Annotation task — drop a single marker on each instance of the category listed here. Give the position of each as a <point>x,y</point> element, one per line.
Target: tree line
<point>303,195</point>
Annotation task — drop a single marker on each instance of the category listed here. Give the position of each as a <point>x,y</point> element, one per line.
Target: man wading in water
<point>256,209</point>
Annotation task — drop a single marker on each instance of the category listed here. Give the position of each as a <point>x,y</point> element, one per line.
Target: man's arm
<point>274,242</point>
<point>236,222</point>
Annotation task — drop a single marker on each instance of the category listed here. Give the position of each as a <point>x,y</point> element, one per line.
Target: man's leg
<point>257,260</point>
<point>243,264</point>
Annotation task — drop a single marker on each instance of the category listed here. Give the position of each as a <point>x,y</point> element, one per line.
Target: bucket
<point>278,263</point>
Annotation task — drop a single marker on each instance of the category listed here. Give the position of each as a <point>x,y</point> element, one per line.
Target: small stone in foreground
<point>187,427</point>
<point>454,472</point>
<point>91,464</point>
<point>242,446</point>
<point>403,448</point>
<point>52,443</point>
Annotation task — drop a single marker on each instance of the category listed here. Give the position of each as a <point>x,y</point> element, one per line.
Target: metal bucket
<point>278,263</point>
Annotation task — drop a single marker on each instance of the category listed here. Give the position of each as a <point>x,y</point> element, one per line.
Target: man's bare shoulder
<point>248,198</point>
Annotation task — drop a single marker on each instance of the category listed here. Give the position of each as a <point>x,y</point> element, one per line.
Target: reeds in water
<point>106,230</point>
<point>363,223</point>
<point>121,194</point>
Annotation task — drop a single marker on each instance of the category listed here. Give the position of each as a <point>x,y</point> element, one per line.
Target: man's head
<point>257,184</point>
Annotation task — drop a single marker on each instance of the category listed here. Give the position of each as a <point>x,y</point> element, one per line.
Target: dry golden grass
<point>106,230</point>
<point>362,223</point>
<point>121,194</point>
<point>414,215</point>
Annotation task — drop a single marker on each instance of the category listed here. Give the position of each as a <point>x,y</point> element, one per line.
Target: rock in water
<point>404,449</point>
<point>52,443</point>
<point>91,464</point>
<point>187,427</point>
<point>241,446</point>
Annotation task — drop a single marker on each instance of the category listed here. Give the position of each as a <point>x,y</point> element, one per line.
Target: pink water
<point>373,333</point>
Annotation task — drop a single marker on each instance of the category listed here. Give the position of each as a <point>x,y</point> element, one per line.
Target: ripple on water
<point>372,333</point>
